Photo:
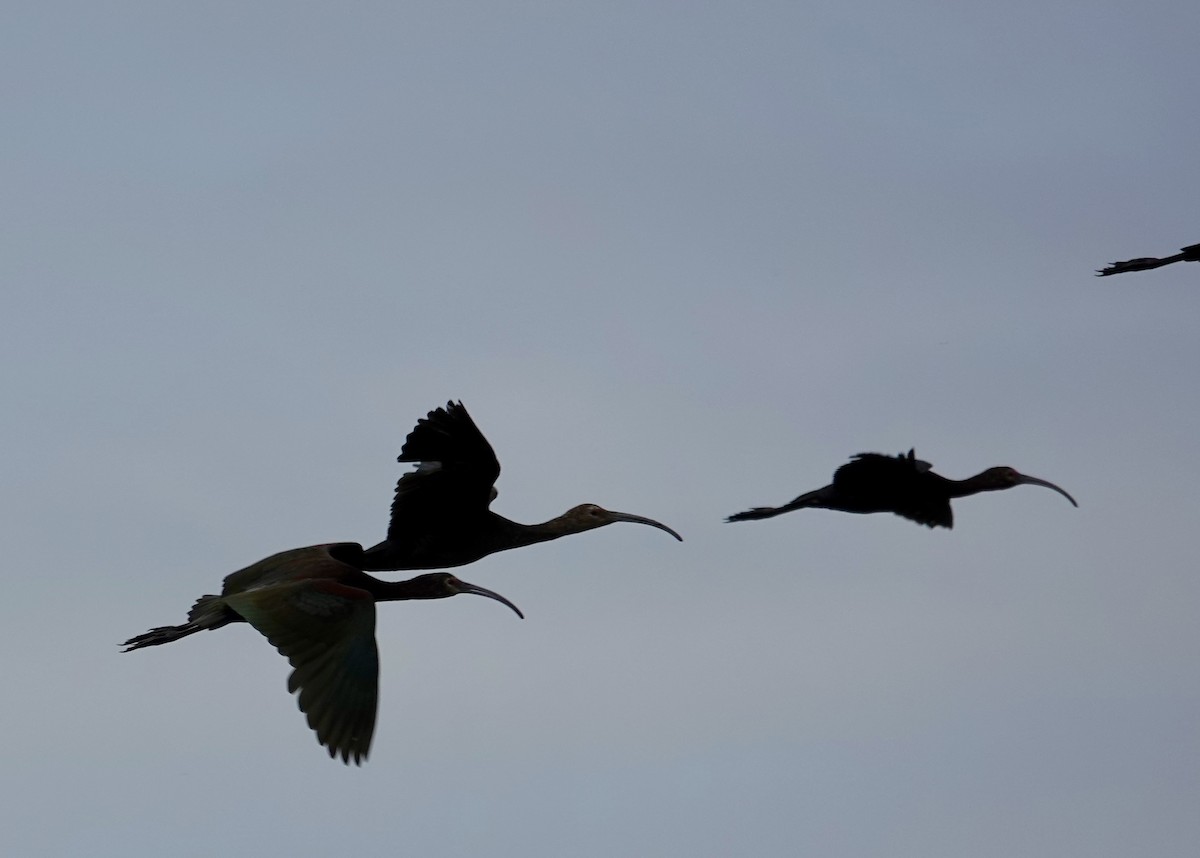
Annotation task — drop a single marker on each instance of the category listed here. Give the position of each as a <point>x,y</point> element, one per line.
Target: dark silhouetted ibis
<point>905,485</point>
<point>440,514</point>
<point>1191,253</point>
<point>317,607</point>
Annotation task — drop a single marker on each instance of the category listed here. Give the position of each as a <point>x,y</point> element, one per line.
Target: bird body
<point>317,607</point>
<point>1191,253</point>
<point>904,485</point>
<point>440,515</point>
<point>317,604</point>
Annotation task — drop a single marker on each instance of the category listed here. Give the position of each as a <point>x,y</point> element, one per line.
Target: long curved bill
<point>464,587</point>
<point>1034,481</point>
<point>639,519</point>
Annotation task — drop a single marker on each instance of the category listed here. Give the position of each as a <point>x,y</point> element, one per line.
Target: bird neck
<point>421,587</point>
<point>517,535</point>
<point>981,482</point>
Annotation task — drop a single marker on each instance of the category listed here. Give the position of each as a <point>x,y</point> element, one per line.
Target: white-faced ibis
<point>440,514</point>
<point>1191,253</point>
<point>317,607</point>
<point>905,485</point>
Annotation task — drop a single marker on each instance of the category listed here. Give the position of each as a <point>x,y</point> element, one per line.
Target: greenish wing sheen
<point>326,629</point>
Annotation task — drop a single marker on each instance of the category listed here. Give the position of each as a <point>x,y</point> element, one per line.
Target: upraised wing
<point>455,476</point>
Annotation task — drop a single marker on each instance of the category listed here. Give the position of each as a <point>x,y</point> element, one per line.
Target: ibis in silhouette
<point>440,515</point>
<point>904,485</point>
<point>1191,253</point>
<point>317,607</point>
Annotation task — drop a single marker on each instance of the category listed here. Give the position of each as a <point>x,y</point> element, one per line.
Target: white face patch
<point>428,467</point>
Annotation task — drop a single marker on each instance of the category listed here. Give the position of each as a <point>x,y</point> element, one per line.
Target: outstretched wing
<point>326,629</point>
<point>455,475</point>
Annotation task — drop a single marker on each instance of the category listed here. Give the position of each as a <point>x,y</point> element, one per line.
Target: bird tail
<point>805,500</point>
<point>757,513</point>
<point>209,612</point>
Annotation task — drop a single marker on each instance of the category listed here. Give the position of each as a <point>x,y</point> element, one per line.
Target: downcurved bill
<point>638,519</point>
<point>464,587</point>
<point>1034,481</point>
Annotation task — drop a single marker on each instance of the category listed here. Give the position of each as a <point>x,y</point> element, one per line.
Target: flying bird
<point>904,485</point>
<point>317,607</point>
<point>440,515</point>
<point>1191,253</point>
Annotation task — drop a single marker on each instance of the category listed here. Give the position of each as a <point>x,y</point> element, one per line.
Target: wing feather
<point>454,478</point>
<point>326,630</point>
<point>901,484</point>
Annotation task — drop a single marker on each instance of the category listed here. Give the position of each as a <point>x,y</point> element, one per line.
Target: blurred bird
<point>317,607</point>
<point>1191,253</point>
<point>904,485</point>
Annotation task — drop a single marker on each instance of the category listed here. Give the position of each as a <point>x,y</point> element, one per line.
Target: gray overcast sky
<point>678,259</point>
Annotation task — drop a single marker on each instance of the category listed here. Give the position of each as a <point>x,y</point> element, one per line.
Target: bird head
<point>442,585</point>
<point>587,516</point>
<point>1003,477</point>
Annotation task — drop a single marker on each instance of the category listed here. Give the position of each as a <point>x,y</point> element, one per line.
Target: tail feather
<point>757,513</point>
<point>209,612</point>
<point>808,499</point>
<point>161,635</point>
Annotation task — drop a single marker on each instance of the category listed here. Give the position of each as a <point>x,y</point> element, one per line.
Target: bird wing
<point>920,464</point>
<point>326,629</point>
<point>313,561</point>
<point>869,470</point>
<point>901,484</point>
<point>455,476</point>
<point>929,511</point>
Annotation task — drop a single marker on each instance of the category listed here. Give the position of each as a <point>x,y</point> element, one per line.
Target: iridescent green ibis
<point>904,485</point>
<point>440,514</point>
<point>317,607</point>
<point>1191,253</point>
